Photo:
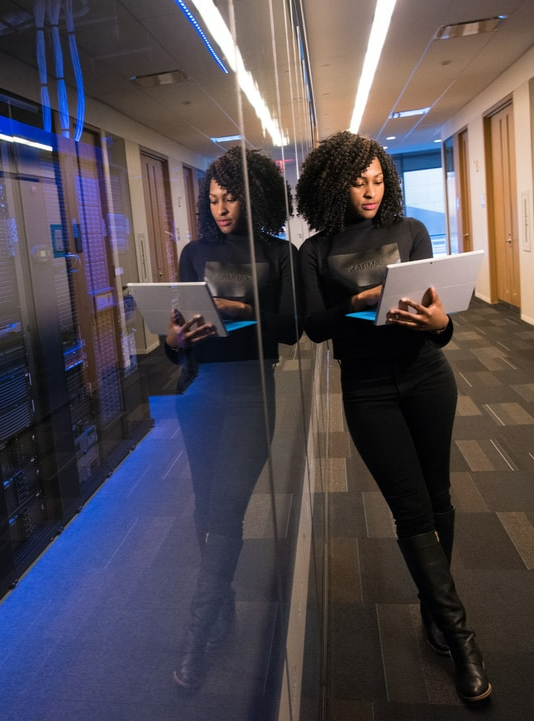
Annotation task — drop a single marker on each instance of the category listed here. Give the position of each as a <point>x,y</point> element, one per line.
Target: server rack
<point>72,402</point>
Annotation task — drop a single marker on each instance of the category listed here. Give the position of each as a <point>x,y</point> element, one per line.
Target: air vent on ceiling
<point>473,27</point>
<point>170,77</point>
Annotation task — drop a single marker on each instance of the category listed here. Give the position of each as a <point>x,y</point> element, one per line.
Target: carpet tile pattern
<point>379,666</point>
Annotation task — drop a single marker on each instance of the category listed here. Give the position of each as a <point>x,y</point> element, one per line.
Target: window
<point>424,195</point>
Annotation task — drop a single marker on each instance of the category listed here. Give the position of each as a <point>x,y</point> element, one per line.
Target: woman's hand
<point>185,333</point>
<point>429,315</point>
<point>234,309</point>
<point>366,299</point>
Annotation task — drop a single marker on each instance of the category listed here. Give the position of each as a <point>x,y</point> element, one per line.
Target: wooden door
<point>502,207</point>
<point>161,240</point>
<point>466,240</point>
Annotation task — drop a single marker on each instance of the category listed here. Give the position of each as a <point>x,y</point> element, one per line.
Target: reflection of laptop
<point>156,301</point>
<point>453,277</point>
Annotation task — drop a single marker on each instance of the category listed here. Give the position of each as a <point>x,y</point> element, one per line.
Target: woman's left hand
<point>429,315</point>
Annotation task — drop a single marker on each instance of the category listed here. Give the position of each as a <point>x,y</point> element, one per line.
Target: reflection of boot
<point>201,530</point>
<point>219,560</point>
<point>225,620</point>
<point>429,568</point>
<point>444,523</point>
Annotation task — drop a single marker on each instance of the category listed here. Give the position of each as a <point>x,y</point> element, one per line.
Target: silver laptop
<point>453,277</point>
<point>156,301</point>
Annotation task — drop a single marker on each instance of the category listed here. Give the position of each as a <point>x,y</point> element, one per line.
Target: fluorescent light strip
<point>219,31</point>
<point>377,37</point>
<point>192,19</point>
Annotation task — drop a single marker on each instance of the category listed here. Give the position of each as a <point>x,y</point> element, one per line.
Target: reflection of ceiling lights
<point>219,31</point>
<point>473,27</point>
<point>377,37</point>
<point>170,77</point>
<point>194,22</point>
<point>226,139</point>
<point>25,141</point>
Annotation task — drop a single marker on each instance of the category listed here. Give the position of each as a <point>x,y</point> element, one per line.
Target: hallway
<point>380,668</point>
<point>90,633</point>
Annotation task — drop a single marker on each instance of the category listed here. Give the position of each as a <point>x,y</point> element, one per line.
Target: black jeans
<point>400,414</point>
<point>222,419</point>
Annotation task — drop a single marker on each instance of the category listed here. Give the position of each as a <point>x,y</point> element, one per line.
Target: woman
<point>222,415</point>
<point>396,383</point>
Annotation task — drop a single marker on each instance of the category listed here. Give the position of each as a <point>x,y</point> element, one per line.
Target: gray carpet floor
<point>378,666</point>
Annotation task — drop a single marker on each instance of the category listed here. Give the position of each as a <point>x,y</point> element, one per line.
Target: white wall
<point>514,83</point>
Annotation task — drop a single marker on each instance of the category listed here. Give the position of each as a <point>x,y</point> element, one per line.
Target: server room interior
<point>98,554</point>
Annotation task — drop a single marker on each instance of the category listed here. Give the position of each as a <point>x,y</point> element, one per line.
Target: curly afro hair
<point>270,196</point>
<point>331,169</point>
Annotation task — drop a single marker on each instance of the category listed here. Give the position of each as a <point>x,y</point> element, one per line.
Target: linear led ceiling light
<point>377,37</point>
<point>219,31</point>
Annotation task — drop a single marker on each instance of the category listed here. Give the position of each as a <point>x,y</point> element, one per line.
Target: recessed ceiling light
<point>391,137</point>
<point>473,27</point>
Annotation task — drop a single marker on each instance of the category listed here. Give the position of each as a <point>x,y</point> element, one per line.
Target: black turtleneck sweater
<point>334,269</point>
<point>226,266</point>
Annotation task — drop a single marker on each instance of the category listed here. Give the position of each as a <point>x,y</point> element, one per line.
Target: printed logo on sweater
<point>364,269</point>
<point>229,280</point>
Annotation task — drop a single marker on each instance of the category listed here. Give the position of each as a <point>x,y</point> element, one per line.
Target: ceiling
<point>117,39</point>
<point>415,71</point>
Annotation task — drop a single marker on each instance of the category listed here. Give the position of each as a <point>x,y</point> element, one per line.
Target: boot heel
<point>472,684</point>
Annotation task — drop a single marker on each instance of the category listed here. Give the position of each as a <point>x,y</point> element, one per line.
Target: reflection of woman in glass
<point>222,414</point>
<point>399,392</point>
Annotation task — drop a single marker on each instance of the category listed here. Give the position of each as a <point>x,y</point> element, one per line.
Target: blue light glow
<point>14,131</point>
<point>194,22</point>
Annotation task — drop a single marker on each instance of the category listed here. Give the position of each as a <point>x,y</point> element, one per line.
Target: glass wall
<point>110,115</point>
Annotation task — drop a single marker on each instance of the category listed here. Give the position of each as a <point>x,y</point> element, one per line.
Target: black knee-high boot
<point>219,560</point>
<point>429,569</point>
<point>444,524</point>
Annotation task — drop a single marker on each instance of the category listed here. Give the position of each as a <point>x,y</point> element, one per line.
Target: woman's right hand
<point>366,299</point>
<point>185,333</point>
